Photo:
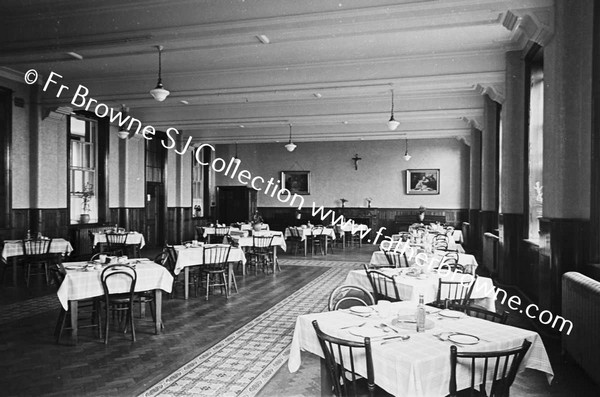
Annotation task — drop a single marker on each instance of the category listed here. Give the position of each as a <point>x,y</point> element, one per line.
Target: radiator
<point>581,305</point>
<point>490,252</point>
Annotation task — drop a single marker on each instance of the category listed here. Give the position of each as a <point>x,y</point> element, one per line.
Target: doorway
<point>155,208</point>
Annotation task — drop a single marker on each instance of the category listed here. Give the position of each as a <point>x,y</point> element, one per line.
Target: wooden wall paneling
<point>510,233</point>
<point>475,238</point>
<point>528,270</point>
<point>562,249</point>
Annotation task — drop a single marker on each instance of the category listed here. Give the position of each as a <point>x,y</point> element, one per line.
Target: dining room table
<point>82,281</point>
<point>277,241</point>
<point>411,363</point>
<point>188,256</point>
<point>420,257</point>
<point>306,232</point>
<point>352,228</point>
<point>410,285</point>
<point>14,248</point>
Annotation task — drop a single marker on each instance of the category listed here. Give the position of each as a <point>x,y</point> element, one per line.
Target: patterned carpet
<point>242,363</point>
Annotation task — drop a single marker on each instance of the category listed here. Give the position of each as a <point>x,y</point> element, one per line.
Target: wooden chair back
<point>384,286</point>
<point>340,362</point>
<point>492,373</point>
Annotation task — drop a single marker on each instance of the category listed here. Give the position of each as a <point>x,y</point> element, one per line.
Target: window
<point>535,148</point>
<point>83,177</point>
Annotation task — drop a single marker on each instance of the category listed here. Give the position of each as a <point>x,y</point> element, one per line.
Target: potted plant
<point>86,197</point>
<point>422,213</point>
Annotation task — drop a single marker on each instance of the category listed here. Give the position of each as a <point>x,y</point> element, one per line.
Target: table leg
<point>186,280</point>
<point>74,308</point>
<point>158,307</point>
<point>274,259</point>
<point>230,281</point>
<point>326,241</point>
<point>305,246</point>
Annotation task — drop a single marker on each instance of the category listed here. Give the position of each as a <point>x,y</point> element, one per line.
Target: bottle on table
<point>421,314</point>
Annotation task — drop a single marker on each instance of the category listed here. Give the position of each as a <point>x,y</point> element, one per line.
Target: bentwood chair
<point>214,264</point>
<point>346,296</point>
<point>315,239</point>
<point>121,304</point>
<point>384,286</point>
<point>492,372</point>
<point>340,358</point>
<point>479,312</point>
<point>91,306</point>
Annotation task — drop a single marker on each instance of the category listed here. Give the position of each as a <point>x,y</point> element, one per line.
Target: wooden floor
<point>32,364</point>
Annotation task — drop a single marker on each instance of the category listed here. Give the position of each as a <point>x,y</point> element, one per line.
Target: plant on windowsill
<point>86,197</point>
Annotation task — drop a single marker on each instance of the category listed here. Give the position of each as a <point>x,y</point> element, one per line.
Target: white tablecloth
<point>82,284</point>
<point>357,227</point>
<point>15,247</point>
<point>247,226</point>
<point>420,366</point>
<point>277,241</point>
<point>410,287</point>
<point>194,256</point>
<point>304,232</point>
<point>433,260</point>
<point>133,238</point>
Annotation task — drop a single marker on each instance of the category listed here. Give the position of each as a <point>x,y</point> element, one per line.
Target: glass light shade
<point>159,93</point>
<point>407,156</point>
<point>290,147</point>
<point>393,124</point>
<point>123,134</point>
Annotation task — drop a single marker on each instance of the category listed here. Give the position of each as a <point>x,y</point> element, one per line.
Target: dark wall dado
<point>563,248</point>
<point>180,225</point>
<point>510,233</point>
<point>51,222</point>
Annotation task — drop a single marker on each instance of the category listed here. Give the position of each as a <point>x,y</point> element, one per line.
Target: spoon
<point>387,327</point>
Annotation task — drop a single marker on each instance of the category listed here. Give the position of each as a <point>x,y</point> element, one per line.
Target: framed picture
<point>297,182</point>
<point>423,181</point>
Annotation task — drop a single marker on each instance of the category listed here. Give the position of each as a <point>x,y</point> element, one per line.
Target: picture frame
<point>297,182</point>
<point>423,181</point>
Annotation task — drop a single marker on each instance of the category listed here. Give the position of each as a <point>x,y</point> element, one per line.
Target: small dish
<point>452,314</point>
<point>463,339</point>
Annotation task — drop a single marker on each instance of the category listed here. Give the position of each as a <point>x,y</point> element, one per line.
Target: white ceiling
<point>328,69</point>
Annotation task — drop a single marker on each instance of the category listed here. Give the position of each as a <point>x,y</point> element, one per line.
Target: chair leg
<point>207,284</point>
<point>107,314</point>
<point>225,285</point>
<point>60,324</point>
<point>130,316</point>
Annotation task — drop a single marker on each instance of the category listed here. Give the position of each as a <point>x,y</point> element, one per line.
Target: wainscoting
<point>510,233</point>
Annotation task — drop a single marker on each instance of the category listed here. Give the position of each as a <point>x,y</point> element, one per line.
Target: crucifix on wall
<point>356,158</point>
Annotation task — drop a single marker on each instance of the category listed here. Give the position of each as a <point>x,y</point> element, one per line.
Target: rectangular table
<point>194,256</point>
<point>410,287</point>
<point>420,366</point>
<point>14,248</point>
<point>81,282</point>
<point>356,228</point>
<point>467,260</point>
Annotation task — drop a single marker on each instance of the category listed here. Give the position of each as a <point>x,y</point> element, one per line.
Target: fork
<point>352,326</point>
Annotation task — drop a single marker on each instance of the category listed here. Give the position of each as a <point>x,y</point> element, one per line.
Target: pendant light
<point>406,155</point>
<point>123,133</point>
<point>159,93</point>
<point>392,124</point>
<point>290,147</point>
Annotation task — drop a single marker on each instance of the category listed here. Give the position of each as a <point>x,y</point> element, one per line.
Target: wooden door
<point>155,236</point>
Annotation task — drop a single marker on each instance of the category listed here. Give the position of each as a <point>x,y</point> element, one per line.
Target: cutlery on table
<point>353,326</point>
<point>387,327</point>
<point>396,338</point>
